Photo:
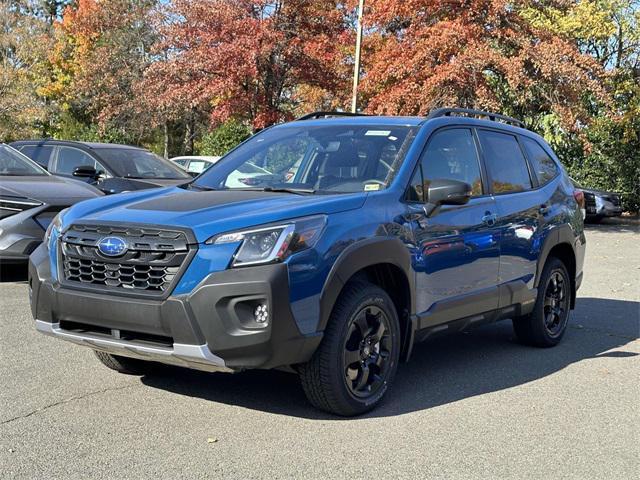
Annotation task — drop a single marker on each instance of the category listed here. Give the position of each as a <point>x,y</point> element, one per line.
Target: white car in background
<point>246,175</point>
<point>193,164</point>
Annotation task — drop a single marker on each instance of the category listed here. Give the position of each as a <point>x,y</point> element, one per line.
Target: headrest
<point>345,156</point>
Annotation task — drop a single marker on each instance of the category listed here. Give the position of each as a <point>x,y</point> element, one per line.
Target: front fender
<point>360,255</point>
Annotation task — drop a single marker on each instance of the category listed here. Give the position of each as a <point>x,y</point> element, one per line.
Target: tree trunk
<point>189,133</point>
<point>166,139</point>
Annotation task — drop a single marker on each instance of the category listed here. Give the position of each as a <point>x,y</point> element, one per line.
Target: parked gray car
<point>600,204</point>
<point>29,199</point>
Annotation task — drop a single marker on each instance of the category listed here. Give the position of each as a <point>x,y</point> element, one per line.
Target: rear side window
<point>70,158</point>
<point>505,162</point>
<point>543,165</point>
<point>450,155</point>
<point>39,154</point>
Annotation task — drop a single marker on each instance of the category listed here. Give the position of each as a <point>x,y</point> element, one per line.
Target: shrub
<point>224,138</point>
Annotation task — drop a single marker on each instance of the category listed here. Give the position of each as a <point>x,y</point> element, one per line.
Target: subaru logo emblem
<point>112,246</point>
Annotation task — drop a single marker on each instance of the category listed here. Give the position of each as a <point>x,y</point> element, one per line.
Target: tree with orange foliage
<point>102,50</point>
<point>252,60</point>
<point>422,54</point>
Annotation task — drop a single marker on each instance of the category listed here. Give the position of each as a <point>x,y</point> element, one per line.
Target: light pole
<point>356,68</point>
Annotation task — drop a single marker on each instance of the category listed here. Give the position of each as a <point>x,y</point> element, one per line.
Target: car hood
<point>208,213</point>
<point>48,189</point>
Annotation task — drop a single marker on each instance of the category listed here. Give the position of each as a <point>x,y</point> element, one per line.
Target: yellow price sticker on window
<point>371,187</point>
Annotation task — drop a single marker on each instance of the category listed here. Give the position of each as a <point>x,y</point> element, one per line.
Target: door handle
<point>544,209</point>
<point>489,218</point>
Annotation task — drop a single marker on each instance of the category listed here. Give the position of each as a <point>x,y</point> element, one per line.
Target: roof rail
<point>317,115</point>
<point>447,112</point>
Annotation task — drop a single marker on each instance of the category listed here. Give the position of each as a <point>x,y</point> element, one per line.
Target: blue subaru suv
<point>327,246</point>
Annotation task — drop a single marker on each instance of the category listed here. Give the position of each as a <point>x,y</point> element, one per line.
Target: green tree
<point>25,38</point>
<point>224,138</point>
<point>606,153</point>
<point>101,53</point>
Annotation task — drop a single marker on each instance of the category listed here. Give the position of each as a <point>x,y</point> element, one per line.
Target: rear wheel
<point>131,366</point>
<point>546,325</point>
<point>357,360</point>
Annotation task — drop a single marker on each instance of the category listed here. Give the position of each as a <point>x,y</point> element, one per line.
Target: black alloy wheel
<point>556,303</point>
<point>367,351</point>
<point>356,361</point>
<point>547,323</point>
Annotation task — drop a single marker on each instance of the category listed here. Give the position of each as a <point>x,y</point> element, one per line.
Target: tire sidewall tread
<point>322,377</point>
<point>530,329</point>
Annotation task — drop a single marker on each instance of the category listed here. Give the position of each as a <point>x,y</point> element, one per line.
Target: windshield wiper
<point>200,187</point>
<point>296,191</point>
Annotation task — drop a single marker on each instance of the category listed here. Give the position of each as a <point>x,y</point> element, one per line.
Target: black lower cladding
<point>219,312</point>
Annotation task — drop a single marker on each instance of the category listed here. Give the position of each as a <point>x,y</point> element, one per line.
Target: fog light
<point>261,313</point>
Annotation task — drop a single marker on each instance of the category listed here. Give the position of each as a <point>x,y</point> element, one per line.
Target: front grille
<point>150,265</point>
<point>590,199</point>
<point>125,275</point>
<point>590,202</point>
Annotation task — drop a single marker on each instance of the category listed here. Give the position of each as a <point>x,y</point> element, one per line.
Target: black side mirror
<point>85,172</point>
<point>446,192</point>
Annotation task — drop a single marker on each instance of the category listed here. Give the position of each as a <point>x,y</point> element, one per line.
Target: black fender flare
<point>357,256</point>
<point>558,235</point>
<point>562,234</point>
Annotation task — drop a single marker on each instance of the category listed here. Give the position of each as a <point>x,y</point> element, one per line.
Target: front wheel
<point>357,360</point>
<point>545,326</point>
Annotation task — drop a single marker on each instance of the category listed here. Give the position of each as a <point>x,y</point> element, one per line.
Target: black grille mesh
<point>150,265</point>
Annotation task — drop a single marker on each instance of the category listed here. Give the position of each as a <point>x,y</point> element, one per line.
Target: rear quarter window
<point>41,154</point>
<point>543,165</point>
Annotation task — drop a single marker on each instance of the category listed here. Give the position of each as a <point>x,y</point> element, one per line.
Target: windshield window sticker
<point>377,133</point>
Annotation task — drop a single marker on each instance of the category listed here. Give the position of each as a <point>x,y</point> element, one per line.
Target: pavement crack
<point>67,400</point>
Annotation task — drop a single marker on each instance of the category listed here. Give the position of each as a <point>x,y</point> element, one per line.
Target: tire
<point>131,366</point>
<point>356,361</point>
<point>546,324</point>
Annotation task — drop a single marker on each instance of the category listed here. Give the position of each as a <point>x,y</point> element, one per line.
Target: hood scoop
<point>187,201</point>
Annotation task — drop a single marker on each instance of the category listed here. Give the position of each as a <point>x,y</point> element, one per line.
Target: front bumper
<point>191,356</point>
<point>606,212</point>
<point>211,328</point>
<point>603,208</point>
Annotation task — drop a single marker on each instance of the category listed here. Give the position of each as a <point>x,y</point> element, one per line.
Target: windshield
<point>331,159</point>
<point>13,163</point>
<point>134,163</point>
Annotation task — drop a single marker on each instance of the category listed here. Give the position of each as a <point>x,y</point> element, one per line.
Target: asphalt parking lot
<point>474,405</point>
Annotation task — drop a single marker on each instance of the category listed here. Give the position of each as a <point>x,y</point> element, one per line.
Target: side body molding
<point>359,255</point>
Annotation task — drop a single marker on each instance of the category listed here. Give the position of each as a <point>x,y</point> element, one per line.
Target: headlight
<point>12,205</point>
<point>273,243</point>
<point>56,224</point>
